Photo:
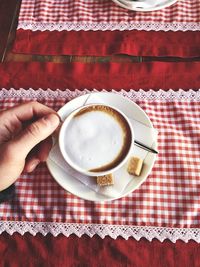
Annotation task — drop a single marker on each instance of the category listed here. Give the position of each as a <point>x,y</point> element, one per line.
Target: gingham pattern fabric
<point>168,198</point>
<point>106,15</point>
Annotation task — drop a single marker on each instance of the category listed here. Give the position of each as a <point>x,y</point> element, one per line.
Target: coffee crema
<point>97,138</point>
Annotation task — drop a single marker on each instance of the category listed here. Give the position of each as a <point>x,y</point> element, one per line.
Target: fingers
<point>38,154</point>
<point>31,164</point>
<point>27,111</point>
<point>17,145</point>
<point>34,134</point>
<point>44,149</point>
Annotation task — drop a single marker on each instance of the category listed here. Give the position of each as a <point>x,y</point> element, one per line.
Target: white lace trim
<point>151,95</point>
<point>146,26</point>
<point>103,230</point>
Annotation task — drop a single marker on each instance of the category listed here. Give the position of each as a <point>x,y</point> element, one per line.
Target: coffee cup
<point>96,139</point>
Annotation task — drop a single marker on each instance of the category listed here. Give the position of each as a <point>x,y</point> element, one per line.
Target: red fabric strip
<point>116,76</point>
<point>99,43</point>
<point>85,251</point>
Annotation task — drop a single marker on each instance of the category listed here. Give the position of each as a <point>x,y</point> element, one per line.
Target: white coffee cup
<point>96,139</point>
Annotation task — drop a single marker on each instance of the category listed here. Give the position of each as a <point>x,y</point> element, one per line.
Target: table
<point>86,251</point>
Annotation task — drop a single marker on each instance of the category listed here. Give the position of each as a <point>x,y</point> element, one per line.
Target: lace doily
<point>146,26</point>
<point>150,95</point>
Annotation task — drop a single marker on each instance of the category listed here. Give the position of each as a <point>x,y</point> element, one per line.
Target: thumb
<point>35,133</point>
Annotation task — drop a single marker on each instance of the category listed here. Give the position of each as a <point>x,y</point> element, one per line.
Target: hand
<point>24,139</point>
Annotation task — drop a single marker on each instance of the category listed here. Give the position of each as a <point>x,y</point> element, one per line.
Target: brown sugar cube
<point>135,166</point>
<point>105,180</point>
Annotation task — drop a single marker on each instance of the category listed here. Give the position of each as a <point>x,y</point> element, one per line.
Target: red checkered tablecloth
<point>106,15</point>
<point>167,204</point>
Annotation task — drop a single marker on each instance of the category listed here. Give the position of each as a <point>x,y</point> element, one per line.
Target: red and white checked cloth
<point>106,15</point>
<point>167,204</point>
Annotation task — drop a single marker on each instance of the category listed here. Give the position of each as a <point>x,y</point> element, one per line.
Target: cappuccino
<point>96,139</point>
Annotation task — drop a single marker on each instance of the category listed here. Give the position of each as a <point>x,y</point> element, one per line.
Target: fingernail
<point>53,120</point>
<point>33,165</point>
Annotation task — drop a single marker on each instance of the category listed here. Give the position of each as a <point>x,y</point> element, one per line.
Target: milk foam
<point>93,139</point>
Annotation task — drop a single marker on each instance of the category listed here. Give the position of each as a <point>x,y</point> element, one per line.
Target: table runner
<point>57,24</point>
<point>165,206</point>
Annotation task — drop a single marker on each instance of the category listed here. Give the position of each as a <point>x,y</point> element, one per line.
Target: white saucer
<point>137,6</point>
<point>131,110</point>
